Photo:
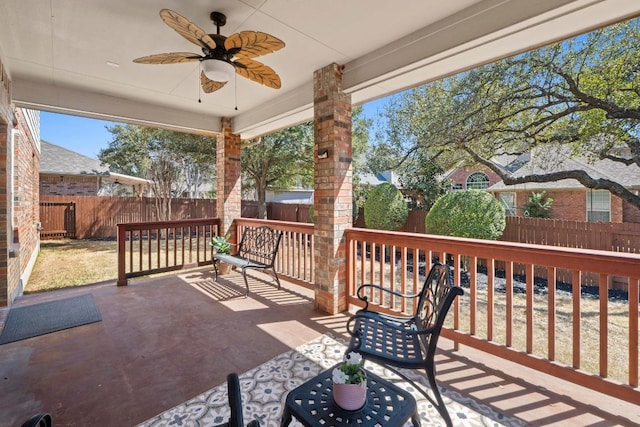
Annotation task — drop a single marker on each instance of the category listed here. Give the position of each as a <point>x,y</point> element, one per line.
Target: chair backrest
<point>39,420</point>
<point>260,244</point>
<point>235,403</point>
<point>436,297</point>
<point>235,400</point>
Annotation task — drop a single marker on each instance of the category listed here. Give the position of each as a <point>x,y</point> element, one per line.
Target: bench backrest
<point>260,244</point>
<point>436,297</point>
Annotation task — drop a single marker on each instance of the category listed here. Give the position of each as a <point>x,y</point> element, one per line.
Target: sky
<point>79,134</point>
<point>88,136</point>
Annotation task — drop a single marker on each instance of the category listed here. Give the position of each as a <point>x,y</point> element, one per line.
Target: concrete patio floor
<point>163,340</point>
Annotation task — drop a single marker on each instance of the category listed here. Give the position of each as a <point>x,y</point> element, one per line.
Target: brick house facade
<point>572,205</point>
<point>462,178</point>
<point>19,213</point>
<point>67,173</point>
<point>571,200</point>
<point>69,185</point>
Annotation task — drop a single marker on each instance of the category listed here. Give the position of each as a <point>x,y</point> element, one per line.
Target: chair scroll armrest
<point>364,298</point>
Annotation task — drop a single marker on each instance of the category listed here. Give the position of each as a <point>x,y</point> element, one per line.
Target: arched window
<point>478,181</point>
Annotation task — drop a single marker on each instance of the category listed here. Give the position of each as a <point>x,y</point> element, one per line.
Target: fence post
<point>122,273</point>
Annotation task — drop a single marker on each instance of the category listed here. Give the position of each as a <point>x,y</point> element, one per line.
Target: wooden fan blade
<point>187,29</point>
<point>258,72</point>
<point>253,43</point>
<point>208,85</point>
<point>168,58</point>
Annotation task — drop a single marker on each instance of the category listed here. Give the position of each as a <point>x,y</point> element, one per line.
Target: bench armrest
<point>362,297</point>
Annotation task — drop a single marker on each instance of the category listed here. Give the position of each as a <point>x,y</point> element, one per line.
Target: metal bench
<point>407,342</point>
<point>257,249</point>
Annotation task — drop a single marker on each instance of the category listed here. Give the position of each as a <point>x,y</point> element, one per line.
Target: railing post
<point>122,276</point>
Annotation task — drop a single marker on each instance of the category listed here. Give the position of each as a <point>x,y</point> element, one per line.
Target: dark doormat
<point>39,319</point>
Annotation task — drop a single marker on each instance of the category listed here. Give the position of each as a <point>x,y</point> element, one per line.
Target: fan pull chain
<point>235,86</point>
<point>198,83</point>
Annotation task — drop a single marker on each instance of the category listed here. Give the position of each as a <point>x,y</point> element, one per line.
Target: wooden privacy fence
<point>606,236</point>
<point>95,217</point>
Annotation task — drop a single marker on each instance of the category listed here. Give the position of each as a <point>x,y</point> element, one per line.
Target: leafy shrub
<point>538,206</point>
<point>470,213</point>
<point>385,208</point>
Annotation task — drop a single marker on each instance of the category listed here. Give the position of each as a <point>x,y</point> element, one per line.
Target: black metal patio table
<point>387,405</point>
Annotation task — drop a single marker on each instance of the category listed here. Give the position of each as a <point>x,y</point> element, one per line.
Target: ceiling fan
<point>221,55</point>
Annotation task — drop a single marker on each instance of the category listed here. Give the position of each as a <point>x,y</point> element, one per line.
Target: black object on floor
<point>39,319</point>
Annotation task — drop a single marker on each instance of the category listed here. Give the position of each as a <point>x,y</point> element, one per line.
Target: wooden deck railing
<point>295,255</point>
<point>590,341</point>
<point>155,247</point>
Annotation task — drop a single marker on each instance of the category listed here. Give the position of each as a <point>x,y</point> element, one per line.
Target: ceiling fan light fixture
<point>217,70</point>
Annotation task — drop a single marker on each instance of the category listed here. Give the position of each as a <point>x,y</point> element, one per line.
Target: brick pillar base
<point>332,195</point>
<point>228,204</point>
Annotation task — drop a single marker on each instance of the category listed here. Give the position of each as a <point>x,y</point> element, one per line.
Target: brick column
<point>7,292</point>
<point>229,191</point>
<point>332,195</point>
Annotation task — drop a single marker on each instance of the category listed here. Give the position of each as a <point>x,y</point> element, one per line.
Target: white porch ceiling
<point>57,52</point>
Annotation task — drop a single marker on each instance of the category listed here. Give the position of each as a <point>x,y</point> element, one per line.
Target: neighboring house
<point>571,200</point>
<point>480,177</point>
<point>300,196</point>
<point>379,178</point>
<point>305,195</point>
<point>65,172</point>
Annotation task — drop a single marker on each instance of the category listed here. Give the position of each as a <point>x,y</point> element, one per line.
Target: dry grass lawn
<point>66,263</point>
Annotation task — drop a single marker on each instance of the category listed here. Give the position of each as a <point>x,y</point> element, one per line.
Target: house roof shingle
<point>627,176</point>
<point>59,160</point>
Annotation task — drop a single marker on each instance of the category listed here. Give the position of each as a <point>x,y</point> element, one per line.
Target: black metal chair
<point>39,420</point>
<point>235,402</point>
<point>407,342</point>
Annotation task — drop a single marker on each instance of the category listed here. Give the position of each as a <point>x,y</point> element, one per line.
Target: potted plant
<point>222,246</point>
<point>350,383</point>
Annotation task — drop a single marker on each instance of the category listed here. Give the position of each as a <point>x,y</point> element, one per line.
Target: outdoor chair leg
<point>246,283</point>
<point>276,276</point>
<point>442,409</point>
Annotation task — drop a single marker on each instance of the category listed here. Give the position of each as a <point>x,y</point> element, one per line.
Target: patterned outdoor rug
<point>265,388</point>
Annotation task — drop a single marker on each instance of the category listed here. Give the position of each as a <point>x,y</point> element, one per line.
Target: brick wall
<point>630,213</point>
<point>57,185</point>
<point>572,205</point>
<point>26,209</point>
<point>19,210</point>
<point>461,175</point>
<point>6,127</point>
<point>228,164</point>
<point>333,187</point>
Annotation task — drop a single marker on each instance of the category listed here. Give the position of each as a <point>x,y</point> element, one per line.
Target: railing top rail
<point>166,224</point>
<point>299,227</point>
<point>616,263</point>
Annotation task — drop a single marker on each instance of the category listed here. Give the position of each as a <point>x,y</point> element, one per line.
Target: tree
<point>385,208</point>
<point>469,213</point>
<point>176,163</point>
<point>278,160</point>
<point>579,96</point>
<point>359,143</point>
<point>538,206</point>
